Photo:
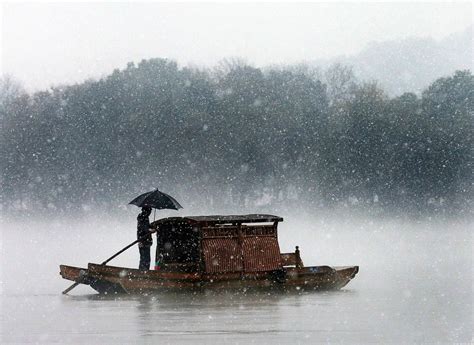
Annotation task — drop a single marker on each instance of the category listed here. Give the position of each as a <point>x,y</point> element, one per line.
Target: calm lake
<point>414,285</point>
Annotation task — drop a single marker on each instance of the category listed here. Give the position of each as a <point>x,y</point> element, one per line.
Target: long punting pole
<point>105,262</point>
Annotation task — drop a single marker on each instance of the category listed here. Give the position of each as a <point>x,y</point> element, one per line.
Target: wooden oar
<point>105,262</point>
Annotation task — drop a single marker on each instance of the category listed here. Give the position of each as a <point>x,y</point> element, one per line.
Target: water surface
<point>414,285</point>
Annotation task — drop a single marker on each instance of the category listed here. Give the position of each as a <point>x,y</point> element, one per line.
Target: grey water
<point>414,286</point>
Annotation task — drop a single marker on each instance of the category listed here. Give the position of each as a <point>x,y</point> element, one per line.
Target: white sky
<point>45,44</point>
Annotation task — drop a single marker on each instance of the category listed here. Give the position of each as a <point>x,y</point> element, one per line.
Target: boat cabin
<point>219,244</point>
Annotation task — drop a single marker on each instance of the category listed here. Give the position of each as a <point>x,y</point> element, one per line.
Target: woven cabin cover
<point>261,254</point>
<point>222,255</point>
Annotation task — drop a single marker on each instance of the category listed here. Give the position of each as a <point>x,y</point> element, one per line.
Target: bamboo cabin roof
<point>229,219</point>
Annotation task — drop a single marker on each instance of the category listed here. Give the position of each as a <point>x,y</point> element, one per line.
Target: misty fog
<point>414,286</point>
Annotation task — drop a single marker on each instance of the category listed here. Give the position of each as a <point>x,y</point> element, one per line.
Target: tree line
<point>237,136</point>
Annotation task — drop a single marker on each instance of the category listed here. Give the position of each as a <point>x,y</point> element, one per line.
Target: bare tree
<point>9,89</point>
<point>340,81</point>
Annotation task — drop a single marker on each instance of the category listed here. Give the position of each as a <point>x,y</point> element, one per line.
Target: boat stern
<point>345,274</point>
<point>75,274</point>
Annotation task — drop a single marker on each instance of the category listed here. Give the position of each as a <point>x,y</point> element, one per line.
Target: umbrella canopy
<point>156,199</point>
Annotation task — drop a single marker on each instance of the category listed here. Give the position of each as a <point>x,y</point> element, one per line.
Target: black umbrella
<point>156,199</point>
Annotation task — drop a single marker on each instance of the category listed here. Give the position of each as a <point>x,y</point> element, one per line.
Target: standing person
<point>143,229</point>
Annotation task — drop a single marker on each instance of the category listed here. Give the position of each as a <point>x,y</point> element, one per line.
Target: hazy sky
<point>44,44</point>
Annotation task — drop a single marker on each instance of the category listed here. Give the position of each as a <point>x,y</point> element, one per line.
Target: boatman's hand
<point>153,230</point>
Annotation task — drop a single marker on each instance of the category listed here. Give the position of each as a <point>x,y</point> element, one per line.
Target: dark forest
<point>237,137</point>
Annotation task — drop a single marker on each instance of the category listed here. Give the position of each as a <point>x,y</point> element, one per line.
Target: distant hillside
<point>237,138</point>
<point>413,63</point>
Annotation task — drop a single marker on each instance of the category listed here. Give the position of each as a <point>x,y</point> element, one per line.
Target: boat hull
<point>120,280</point>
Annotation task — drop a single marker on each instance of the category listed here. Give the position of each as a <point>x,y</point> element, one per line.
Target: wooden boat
<point>215,252</point>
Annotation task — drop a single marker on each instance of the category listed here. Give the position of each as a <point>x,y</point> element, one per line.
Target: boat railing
<point>292,259</point>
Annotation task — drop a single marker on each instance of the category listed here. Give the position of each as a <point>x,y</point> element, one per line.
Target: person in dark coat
<point>143,230</point>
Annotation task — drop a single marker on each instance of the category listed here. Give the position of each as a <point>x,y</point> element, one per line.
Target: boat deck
<point>113,279</point>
